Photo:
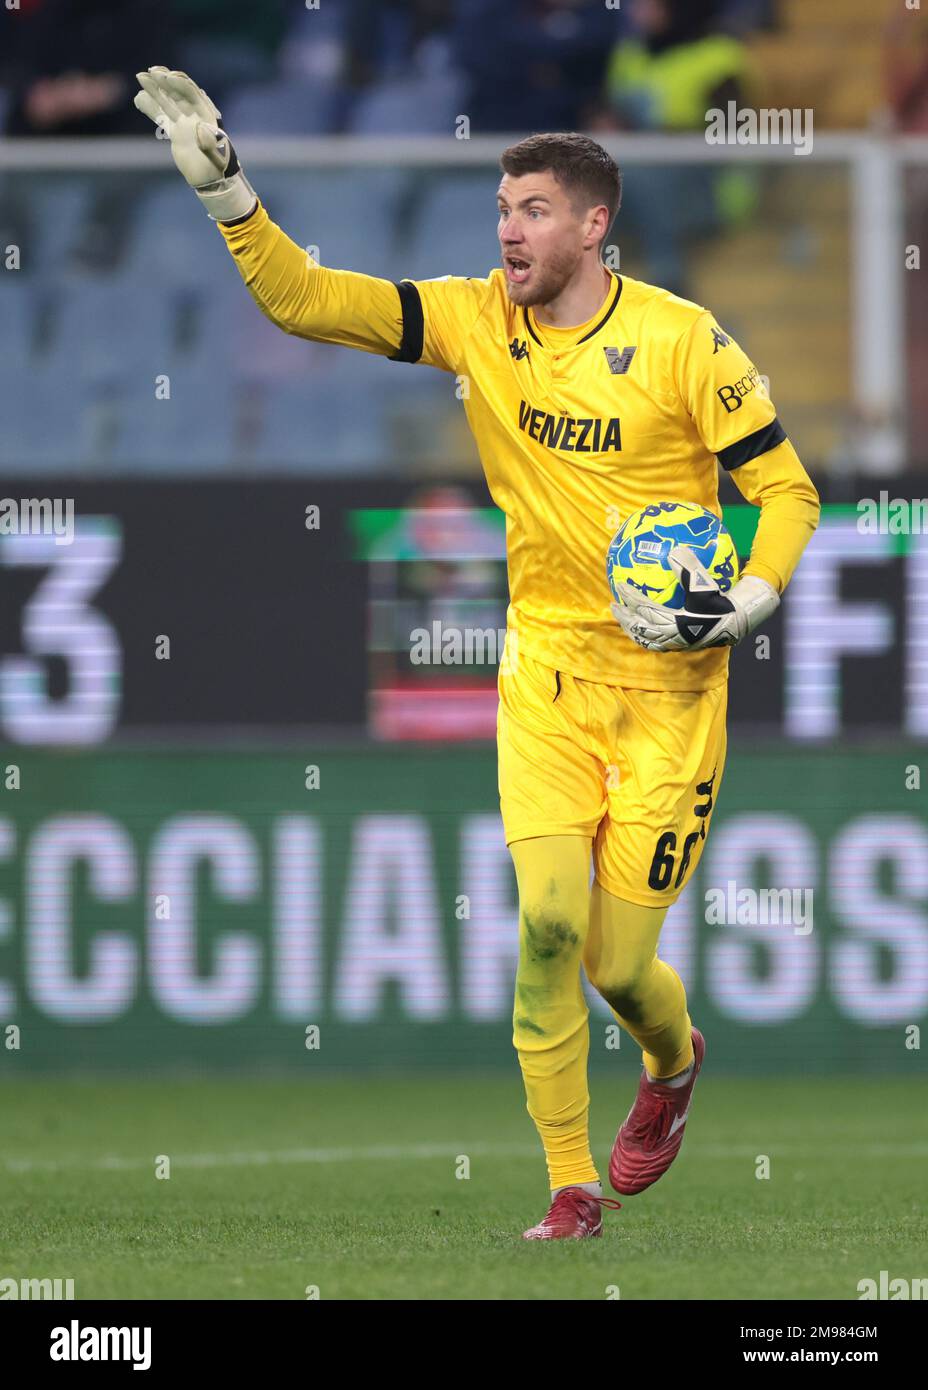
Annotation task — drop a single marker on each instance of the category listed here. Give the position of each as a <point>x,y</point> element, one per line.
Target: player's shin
<point>550,1016</point>
<point>646,994</point>
<point>558,1099</point>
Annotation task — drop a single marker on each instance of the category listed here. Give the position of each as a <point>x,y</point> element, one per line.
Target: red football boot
<point>573,1214</point>
<point>650,1138</point>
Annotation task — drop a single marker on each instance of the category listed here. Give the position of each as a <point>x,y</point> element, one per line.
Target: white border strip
<point>341,151</point>
<point>386,1152</point>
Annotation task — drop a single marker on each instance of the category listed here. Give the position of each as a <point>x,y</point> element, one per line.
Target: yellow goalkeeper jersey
<point>576,429</point>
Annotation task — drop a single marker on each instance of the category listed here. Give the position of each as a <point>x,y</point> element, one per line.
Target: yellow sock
<point>549,1025</point>
<point>646,994</point>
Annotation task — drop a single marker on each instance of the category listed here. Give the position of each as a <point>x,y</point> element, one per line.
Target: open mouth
<point>517,269</point>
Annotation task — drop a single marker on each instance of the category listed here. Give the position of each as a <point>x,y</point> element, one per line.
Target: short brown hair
<point>581,166</point>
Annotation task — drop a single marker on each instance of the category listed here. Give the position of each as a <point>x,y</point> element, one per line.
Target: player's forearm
<point>778,484</point>
<point>309,300</point>
<point>331,306</point>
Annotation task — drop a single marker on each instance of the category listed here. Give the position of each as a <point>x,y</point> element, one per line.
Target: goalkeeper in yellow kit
<point>590,396</point>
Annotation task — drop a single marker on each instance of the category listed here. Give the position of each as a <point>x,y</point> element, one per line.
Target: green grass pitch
<point>351,1185</point>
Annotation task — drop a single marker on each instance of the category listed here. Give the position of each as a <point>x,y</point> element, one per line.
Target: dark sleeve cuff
<point>412,341</point>
<point>752,446</point>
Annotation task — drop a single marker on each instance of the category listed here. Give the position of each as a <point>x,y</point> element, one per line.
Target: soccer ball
<point>639,549</point>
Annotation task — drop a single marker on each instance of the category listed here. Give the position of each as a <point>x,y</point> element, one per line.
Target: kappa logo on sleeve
<point>720,339</point>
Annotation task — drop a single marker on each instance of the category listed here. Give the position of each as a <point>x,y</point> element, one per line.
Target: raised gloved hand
<point>202,151</point>
<point>708,617</point>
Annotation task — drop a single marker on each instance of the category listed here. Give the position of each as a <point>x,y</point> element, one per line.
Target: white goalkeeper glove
<point>708,617</point>
<point>202,151</point>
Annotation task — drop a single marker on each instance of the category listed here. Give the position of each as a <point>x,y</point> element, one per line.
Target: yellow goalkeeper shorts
<point>637,771</point>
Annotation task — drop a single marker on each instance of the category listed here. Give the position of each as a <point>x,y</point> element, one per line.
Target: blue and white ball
<point>638,552</point>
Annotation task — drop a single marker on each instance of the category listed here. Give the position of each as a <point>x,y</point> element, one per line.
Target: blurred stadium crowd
<point>362,66</point>
<point>119,280</point>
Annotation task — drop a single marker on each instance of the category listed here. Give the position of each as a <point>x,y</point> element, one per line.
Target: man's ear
<point>599,226</point>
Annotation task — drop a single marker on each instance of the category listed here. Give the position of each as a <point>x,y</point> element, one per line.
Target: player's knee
<point>623,990</point>
<point>549,936</point>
